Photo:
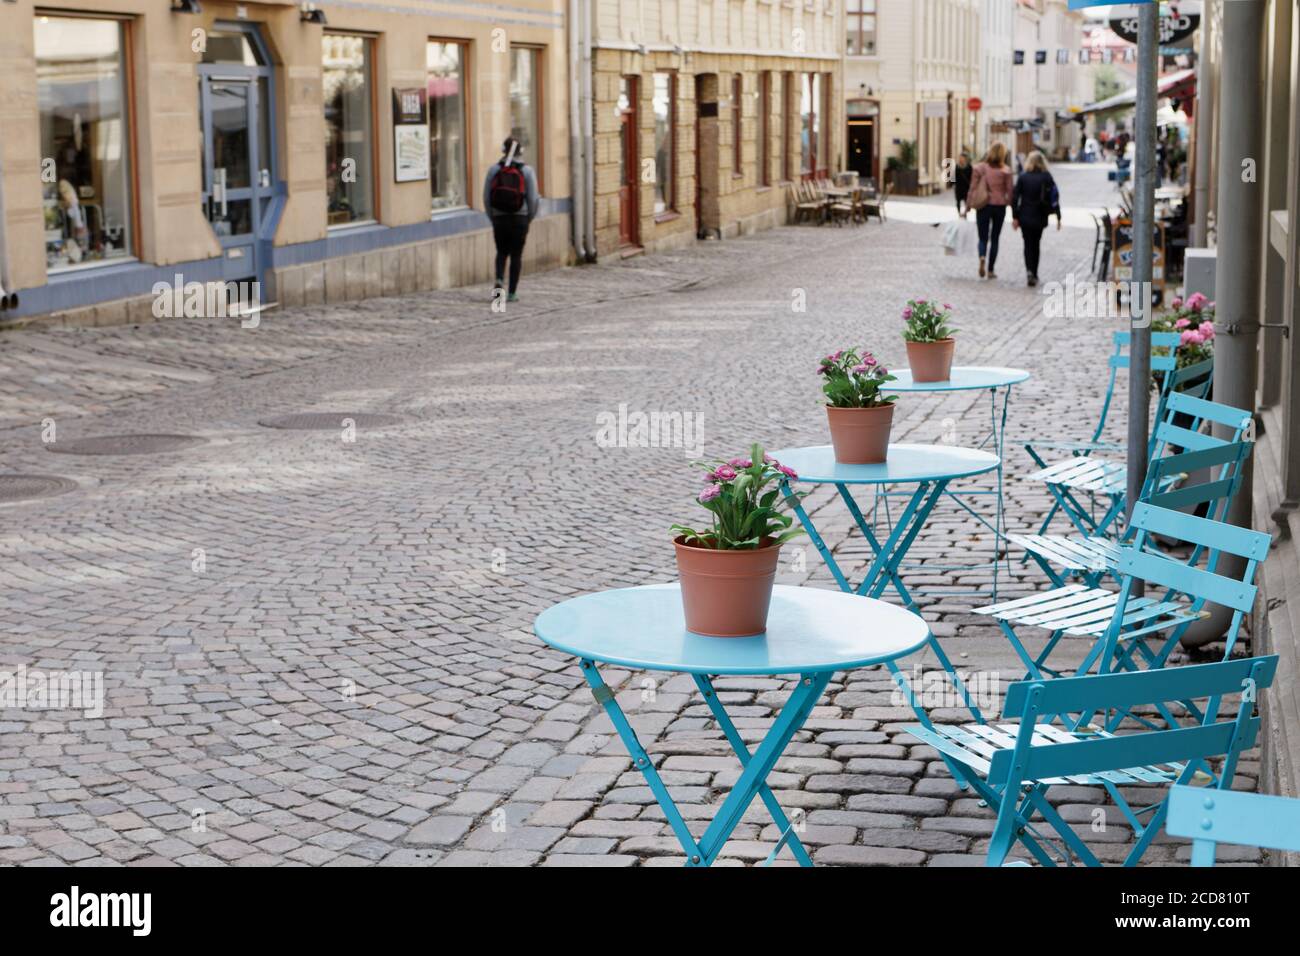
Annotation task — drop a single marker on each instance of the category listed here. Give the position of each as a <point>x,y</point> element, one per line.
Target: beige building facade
<point>911,81</point>
<point>704,114</point>
<point>329,153</point>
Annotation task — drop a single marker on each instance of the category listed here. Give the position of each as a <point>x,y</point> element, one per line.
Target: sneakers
<point>981,267</point>
<point>1033,280</point>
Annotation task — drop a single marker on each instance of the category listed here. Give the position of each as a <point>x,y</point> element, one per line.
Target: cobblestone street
<point>317,644</point>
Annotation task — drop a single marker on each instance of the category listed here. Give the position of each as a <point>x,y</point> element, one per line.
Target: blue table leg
<point>787,724</point>
<point>815,537</point>
<point>783,824</point>
<point>753,778</point>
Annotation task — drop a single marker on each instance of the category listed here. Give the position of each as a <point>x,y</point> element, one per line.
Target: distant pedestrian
<point>510,199</point>
<point>961,182</point>
<point>1033,202</point>
<point>990,194</point>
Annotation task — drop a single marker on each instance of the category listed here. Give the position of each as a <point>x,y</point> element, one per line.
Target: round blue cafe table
<point>904,464</point>
<point>963,378</point>
<point>810,632</point>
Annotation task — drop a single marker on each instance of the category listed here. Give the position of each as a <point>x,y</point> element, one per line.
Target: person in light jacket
<point>510,199</point>
<point>1033,202</point>
<point>993,173</point>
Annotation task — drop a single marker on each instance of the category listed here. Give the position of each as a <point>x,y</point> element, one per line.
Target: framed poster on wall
<point>410,135</point>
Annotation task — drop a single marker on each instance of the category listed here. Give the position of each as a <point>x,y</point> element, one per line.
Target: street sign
<point>1171,29</point>
<point>974,104</point>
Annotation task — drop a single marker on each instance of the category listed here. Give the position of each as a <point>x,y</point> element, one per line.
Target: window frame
<point>372,76</point>
<point>853,29</point>
<point>670,210</point>
<point>765,128</point>
<point>787,126</point>
<point>130,136</point>
<point>467,111</point>
<point>539,108</point>
<point>737,126</point>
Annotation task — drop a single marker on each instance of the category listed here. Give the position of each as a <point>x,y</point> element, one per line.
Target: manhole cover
<point>124,444</point>
<point>330,421</point>
<point>27,487</point>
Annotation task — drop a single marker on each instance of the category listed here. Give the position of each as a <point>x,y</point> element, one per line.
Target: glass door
<point>236,170</point>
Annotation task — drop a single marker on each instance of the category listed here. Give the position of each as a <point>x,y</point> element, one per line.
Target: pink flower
<point>722,473</point>
<point>862,369</point>
<point>1176,303</point>
<point>947,306</point>
<point>868,359</point>
<point>1182,323</point>
<point>1196,301</point>
<point>1190,337</point>
<point>709,493</point>
<point>907,313</point>
<point>833,357</point>
<point>740,463</point>
<point>1207,331</point>
<point>788,472</point>
<point>920,302</point>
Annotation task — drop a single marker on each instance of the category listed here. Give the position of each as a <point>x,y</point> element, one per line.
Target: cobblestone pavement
<point>318,650</point>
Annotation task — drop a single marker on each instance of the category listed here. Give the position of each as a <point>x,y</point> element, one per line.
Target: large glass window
<point>665,110</point>
<point>765,129</point>
<point>810,101</point>
<point>860,27</point>
<point>85,155</point>
<point>525,101</point>
<point>445,64</point>
<point>349,147</point>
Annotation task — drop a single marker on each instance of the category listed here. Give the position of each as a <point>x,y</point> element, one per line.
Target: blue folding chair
<point>1090,556</point>
<point>1013,766</point>
<point>1119,623</point>
<point>1207,817</point>
<point>1098,477</point>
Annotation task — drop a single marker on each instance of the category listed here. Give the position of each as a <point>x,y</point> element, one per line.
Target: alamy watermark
<point>1098,300</point>
<point>654,429</point>
<point>208,300</point>
<point>35,689</point>
<point>936,688</point>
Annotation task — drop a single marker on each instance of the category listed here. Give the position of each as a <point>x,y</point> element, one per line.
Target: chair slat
<point>1212,534</point>
<point>1228,816</point>
<point>1215,588</point>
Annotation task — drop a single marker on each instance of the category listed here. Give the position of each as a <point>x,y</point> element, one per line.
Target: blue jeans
<point>989,223</point>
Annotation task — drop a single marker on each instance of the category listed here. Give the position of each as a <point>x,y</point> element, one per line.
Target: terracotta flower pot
<point>726,593</point>
<point>931,361</point>
<point>860,435</point>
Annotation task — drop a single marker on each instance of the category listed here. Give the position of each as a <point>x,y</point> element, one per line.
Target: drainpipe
<point>577,167</point>
<point>8,299</point>
<point>1206,90</point>
<point>588,137</point>
<point>1237,284</point>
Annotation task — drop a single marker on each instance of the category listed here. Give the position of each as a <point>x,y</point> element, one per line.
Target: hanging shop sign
<point>1173,29</point>
<point>410,135</point>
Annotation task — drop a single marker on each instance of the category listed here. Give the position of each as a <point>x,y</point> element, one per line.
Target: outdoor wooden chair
<point>875,205</point>
<point>809,203</point>
<point>1208,817</point>
<point>1091,556</point>
<point>1012,766</point>
<point>1120,623</point>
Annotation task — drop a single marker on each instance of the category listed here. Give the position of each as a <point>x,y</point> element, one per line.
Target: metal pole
<point>1206,95</point>
<point>1144,184</point>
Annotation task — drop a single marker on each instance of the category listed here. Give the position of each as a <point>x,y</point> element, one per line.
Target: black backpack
<point>509,189</point>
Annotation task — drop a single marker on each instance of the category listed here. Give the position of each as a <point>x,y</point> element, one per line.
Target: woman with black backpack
<point>510,199</point>
<point>1033,203</point>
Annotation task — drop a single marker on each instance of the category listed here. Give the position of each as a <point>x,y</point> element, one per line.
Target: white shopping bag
<point>951,234</point>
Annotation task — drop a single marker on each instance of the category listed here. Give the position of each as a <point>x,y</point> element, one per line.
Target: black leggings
<point>510,233</point>
<point>988,221</point>
<point>1033,236</point>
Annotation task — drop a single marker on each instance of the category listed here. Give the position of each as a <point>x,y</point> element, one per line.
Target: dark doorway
<point>862,148</point>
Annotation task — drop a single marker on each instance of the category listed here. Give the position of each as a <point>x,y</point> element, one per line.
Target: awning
<point>1179,85</point>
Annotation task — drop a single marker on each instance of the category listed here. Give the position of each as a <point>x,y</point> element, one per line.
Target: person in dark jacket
<point>511,202</point>
<point>1033,202</point>
<point>961,182</point>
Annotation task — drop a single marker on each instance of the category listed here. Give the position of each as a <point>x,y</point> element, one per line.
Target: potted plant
<point>1194,321</point>
<point>902,169</point>
<point>727,570</point>
<point>860,416</point>
<point>929,340</point>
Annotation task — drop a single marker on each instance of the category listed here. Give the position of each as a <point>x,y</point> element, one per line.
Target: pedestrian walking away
<point>989,196</point>
<point>1033,203</point>
<point>510,199</point>
<point>961,182</point>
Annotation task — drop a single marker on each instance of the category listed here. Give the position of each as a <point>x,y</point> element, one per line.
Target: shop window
<point>445,62</point>
<point>84,138</point>
<point>525,102</point>
<point>349,145</point>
